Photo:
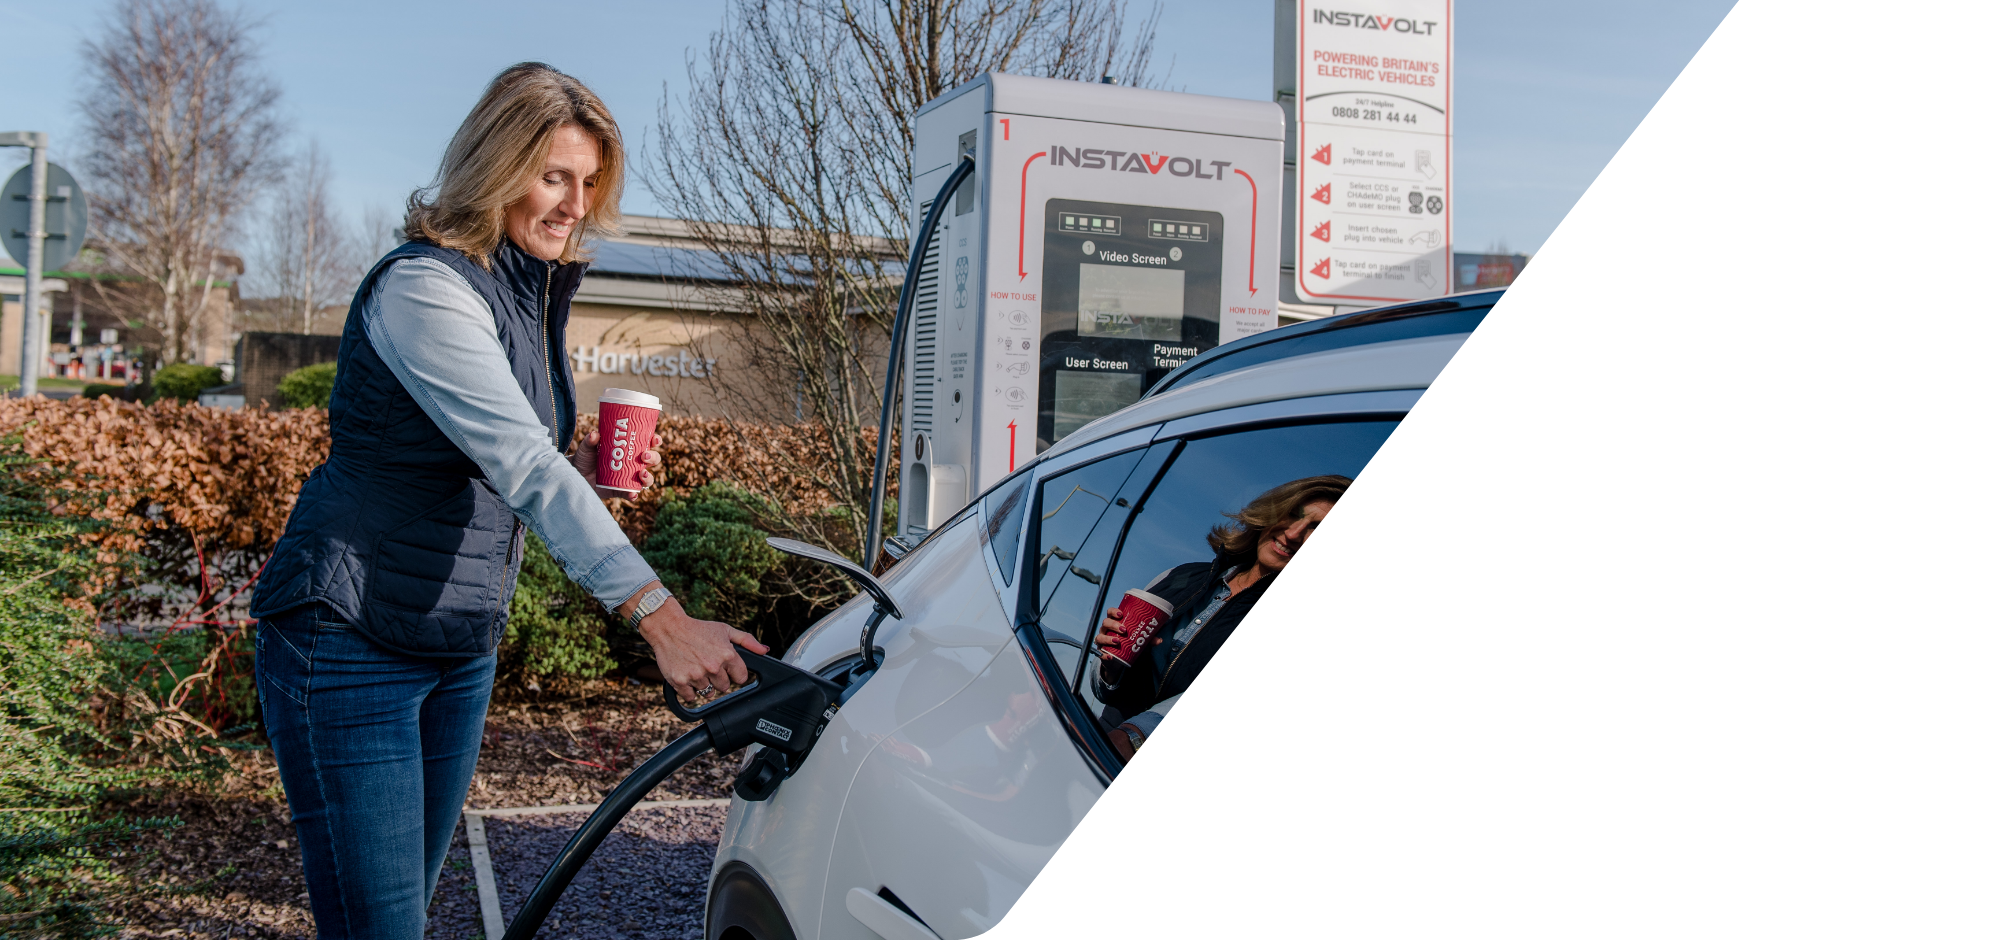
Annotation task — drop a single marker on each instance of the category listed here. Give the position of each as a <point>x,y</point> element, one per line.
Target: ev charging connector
<point>783,710</point>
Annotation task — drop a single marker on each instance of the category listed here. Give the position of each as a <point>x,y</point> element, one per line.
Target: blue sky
<point>1546,90</point>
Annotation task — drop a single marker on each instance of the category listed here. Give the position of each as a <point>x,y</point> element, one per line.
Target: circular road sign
<point>65,220</point>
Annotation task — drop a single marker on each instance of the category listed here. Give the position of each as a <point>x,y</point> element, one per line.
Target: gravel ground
<point>646,881</point>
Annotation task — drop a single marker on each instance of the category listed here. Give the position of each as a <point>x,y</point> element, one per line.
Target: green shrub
<point>100,390</point>
<point>709,548</point>
<point>208,669</point>
<point>555,629</point>
<point>56,764</point>
<point>184,381</point>
<point>309,387</point>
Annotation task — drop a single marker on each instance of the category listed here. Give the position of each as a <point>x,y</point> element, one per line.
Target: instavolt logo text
<point>1147,164</point>
<point>1372,21</point>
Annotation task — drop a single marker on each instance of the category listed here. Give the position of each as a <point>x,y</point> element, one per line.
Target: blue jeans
<point>376,750</point>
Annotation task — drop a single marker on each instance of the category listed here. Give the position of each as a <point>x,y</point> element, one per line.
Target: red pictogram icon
<point>1013,445</point>
<point>1326,154</point>
<point>1321,232</point>
<point>1324,269</point>
<point>1321,195</point>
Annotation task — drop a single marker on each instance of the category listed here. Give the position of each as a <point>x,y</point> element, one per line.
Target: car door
<point>958,808</point>
<point>954,625</point>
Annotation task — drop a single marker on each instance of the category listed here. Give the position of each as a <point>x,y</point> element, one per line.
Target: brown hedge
<point>226,480</point>
<point>785,463</point>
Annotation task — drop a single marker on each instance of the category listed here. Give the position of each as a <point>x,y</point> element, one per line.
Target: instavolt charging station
<point>1108,235</point>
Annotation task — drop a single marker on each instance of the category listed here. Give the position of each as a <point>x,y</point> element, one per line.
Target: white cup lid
<point>1167,609</point>
<point>623,396</point>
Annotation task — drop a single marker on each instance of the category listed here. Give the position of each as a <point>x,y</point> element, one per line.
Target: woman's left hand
<point>584,461</point>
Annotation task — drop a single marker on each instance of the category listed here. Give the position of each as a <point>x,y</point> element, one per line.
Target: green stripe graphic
<point>1566,861</point>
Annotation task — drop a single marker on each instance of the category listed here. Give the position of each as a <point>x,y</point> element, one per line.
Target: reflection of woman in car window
<point>1209,598</point>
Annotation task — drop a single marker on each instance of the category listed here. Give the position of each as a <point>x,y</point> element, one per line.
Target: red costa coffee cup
<point>628,420</point>
<point>1142,614</point>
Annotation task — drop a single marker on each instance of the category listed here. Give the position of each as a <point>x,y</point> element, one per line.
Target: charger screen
<point>1080,397</point>
<point>1126,302</point>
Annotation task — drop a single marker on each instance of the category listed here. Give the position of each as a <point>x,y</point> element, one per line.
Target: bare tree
<point>181,134</point>
<point>905,53</point>
<point>758,172</point>
<point>790,158</point>
<point>307,259</point>
<point>380,232</point>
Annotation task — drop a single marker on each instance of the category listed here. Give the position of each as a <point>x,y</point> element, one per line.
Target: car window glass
<point>1566,608</point>
<point>1004,511</point>
<point>1068,506</point>
<point>1073,506</point>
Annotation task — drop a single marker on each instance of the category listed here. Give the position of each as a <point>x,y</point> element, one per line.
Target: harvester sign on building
<point>681,364</point>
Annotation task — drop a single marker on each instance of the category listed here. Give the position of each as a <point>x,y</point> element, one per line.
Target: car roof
<point>1532,337</point>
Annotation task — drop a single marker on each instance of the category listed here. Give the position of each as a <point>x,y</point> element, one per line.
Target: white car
<point>1588,544</point>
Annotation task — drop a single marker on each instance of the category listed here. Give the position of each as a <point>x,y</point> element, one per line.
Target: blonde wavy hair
<point>498,152</point>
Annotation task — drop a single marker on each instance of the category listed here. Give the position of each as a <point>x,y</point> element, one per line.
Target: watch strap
<point>647,605</point>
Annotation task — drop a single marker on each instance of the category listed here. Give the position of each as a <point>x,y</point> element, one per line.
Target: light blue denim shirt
<point>441,340</point>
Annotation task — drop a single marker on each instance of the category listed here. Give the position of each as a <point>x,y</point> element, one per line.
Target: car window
<point>1070,507</point>
<point>1562,608</point>
<point>1003,509</point>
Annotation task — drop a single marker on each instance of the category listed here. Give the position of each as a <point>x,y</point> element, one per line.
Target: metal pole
<point>33,332</point>
<point>47,318</point>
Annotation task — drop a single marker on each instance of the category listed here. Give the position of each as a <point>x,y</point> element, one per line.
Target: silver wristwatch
<point>647,606</point>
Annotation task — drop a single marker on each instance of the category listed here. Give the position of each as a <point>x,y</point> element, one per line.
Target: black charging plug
<point>784,710</point>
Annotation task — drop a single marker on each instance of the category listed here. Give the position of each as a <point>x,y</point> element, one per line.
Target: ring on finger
<point>707,690</point>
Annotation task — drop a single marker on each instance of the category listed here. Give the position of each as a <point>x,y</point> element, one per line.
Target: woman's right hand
<point>1112,630</point>
<point>696,656</point>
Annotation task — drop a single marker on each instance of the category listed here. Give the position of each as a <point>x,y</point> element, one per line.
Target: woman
<point>383,604</point>
<point>1244,638</point>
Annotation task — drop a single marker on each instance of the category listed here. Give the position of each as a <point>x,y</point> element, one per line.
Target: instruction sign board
<point>1374,181</point>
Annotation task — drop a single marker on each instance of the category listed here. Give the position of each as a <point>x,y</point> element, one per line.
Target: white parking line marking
<point>487,883</point>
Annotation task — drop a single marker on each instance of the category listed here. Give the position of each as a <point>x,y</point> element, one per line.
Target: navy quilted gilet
<point>397,530</point>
